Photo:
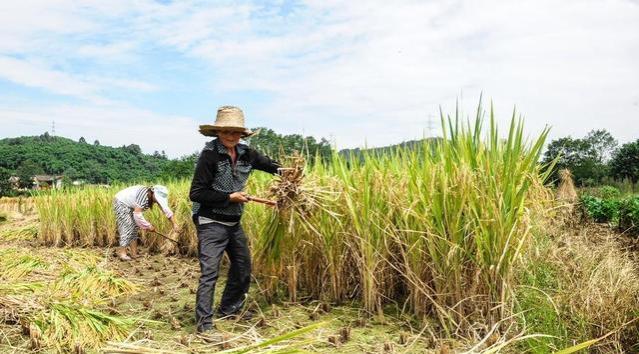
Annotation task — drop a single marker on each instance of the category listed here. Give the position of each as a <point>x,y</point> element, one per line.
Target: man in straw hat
<point>216,191</point>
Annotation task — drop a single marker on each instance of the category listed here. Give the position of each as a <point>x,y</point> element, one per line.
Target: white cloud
<point>26,73</point>
<point>120,51</point>
<point>359,68</point>
<point>36,75</point>
<point>357,71</point>
<point>123,83</point>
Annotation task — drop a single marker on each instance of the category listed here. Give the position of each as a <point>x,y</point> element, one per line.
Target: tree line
<point>595,159</point>
<point>27,156</point>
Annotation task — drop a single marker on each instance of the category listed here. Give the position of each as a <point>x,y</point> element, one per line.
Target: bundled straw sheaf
<point>566,191</point>
<point>299,199</point>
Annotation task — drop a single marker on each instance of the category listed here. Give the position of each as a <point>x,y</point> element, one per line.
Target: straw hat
<point>228,118</point>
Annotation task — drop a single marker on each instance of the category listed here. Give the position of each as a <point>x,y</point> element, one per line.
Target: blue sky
<point>356,72</point>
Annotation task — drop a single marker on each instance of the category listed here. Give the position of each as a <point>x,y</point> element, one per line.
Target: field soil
<point>164,303</point>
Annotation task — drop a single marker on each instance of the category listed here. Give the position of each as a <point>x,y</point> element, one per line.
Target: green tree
<point>71,173</point>
<point>586,157</point>
<point>5,185</point>
<point>625,162</point>
<point>279,145</point>
<point>180,168</point>
<point>26,171</point>
<point>133,149</point>
<point>602,143</point>
<point>94,173</point>
<point>99,164</point>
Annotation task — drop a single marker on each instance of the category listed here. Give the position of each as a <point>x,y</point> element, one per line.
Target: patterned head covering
<point>161,195</point>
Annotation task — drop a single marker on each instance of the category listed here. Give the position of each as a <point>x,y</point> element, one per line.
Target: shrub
<point>629,214</point>
<point>610,192</point>
<point>601,210</point>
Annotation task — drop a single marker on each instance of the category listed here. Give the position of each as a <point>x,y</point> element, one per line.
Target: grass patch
<point>539,313</point>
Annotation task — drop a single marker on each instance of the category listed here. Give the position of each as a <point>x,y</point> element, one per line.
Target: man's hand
<point>238,197</point>
<point>151,228</point>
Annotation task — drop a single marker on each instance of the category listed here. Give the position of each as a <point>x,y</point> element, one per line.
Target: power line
<point>431,126</point>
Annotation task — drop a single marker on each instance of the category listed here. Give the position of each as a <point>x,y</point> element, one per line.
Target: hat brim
<point>164,204</point>
<point>212,130</point>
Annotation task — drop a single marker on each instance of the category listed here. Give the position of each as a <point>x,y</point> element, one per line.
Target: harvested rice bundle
<point>92,284</point>
<point>19,288</point>
<point>28,232</point>
<point>20,266</point>
<point>566,191</point>
<point>288,189</point>
<point>64,325</point>
<point>297,197</point>
<point>566,195</point>
<point>297,194</point>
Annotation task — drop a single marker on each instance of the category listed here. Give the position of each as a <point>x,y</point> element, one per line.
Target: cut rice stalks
<point>27,232</point>
<point>298,199</point>
<point>60,300</point>
<point>170,248</point>
<point>67,325</point>
<point>62,325</point>
<point>92,283</point>
<point>16,266</point>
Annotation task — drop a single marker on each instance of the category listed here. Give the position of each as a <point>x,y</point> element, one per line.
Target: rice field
<point>17,204</point>
<point>437,236</point>
<point>440,225</point>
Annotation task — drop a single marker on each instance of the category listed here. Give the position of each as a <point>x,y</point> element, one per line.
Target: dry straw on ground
<point>59,298</point>
<point>590,279</point>
<point>601,283</point>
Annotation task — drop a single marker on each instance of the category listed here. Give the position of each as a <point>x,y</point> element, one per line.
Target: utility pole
<point>431,126</point>
<point>53,128</point>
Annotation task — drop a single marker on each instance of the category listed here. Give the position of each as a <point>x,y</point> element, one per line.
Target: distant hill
<point>93,163</point>
<point>408,145</point>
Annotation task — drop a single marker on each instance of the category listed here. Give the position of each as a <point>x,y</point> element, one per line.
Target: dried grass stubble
<point>601,283</point>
